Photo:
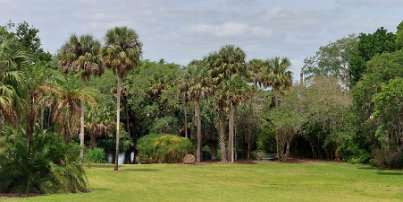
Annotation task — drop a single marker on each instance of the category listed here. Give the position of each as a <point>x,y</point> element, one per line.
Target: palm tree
<point>81,54</point>
<point>13,83</point>
<point>69,93</point>
<point>278,77</point>
<point>37,95</point>
<point>99,123</point>
<point>198,86</point>
<point>255,68</point>
<point>228,66</point>
<point>183,89</point>
<point>121,53</point>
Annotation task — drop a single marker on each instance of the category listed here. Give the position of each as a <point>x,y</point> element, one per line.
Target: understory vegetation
<point>46,165</point>
<point>162,148</point>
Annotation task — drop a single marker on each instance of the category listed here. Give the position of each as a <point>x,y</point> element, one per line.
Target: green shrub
<point>388,159</point>
<point>49,166</point>
<point>162,148</point>
<point>351,152</point>
<point>95,155</point>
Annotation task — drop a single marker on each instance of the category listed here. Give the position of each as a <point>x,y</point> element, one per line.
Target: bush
<point>388,159</point>
<point>95,155</point>
<point>162,148</point>
<point>49,166</point>
<point>351,152</point>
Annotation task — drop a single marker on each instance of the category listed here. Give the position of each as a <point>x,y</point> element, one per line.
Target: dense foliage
<point>49,165</point>
<point>163,148</point>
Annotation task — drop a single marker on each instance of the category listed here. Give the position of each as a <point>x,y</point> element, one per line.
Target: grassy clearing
<point>319,181</point>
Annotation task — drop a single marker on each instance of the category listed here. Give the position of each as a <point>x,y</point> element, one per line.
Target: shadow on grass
<point>101,165</point>
<point>389,173</point>
<point>367,168</point>
<point>139,170</point>
<point>98,189</point>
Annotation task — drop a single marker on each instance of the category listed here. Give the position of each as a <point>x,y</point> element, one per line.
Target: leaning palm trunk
<point>82,107</point>
<point>221,131</point>
<point>199,138</point>
<point>231,133</point>
<point>116,168</point>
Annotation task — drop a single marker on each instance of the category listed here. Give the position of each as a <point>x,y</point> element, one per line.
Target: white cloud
<point>182,30</point>
<point>229,29</point>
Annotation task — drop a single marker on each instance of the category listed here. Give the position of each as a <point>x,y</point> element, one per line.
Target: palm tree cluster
<point>64,97</point>
<point>226,76</point>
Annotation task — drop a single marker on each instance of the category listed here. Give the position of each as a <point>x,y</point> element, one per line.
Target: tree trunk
<point>231,133</point>
<point>127,119</point>
<point>82,107</point>
<point>199,138</point>
<point>235,134</point>
<point>278,153</point>
<point>221,131</point>
<point>31,122</point>
<point>128,159</point>
<point>249,140</point>
<point>301,78</point>
<point>42,118</point>
<point>186,120</point>
<point>116,168</point>
<point>275,98</point>
<point>49,117</point>
<point>287,153</point>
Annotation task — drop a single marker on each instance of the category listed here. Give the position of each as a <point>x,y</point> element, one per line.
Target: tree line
<point>105,95</point>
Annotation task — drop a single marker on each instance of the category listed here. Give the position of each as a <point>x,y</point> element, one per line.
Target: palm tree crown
<point>122,50</point>
<point>279,76</point>
<point>13,83</point>
<point>81,54</point>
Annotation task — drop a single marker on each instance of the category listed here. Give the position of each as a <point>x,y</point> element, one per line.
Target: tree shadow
<point>98,189</point>
<point>389,173</point>
<point>103,165</point>
<point>367,168</point>
<point>139,170</point>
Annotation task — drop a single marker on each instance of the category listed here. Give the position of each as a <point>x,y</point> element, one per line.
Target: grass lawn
<point>271,181</point>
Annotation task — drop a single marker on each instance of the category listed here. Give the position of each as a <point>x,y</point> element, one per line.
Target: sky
<point>182,30</point>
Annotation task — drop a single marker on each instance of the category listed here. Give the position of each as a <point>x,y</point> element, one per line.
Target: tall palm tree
<point>121,53</point>
<point>81,54</point>
<point>227,67</point>
<point>183,89</point>
<point>198,86</point>
<point>13,83</point>
<point>279,77</point>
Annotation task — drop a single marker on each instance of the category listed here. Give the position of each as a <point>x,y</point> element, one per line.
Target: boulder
<point>189,158</point>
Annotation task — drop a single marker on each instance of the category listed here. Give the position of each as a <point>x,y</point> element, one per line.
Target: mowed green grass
<point>270,181</point>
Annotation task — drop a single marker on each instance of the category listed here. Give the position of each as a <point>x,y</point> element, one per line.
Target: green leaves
<point>389,113</point>
<point>81,54</point>
<point>333,59</point>
<point>48,166</point>
<point>122,50</point>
